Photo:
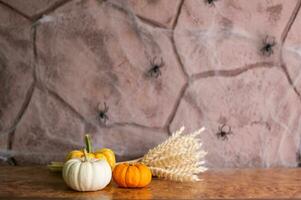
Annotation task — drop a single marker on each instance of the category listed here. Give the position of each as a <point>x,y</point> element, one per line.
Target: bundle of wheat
<point>179,158</point>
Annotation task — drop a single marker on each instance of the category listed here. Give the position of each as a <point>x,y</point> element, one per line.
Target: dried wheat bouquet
<point>179,158</point>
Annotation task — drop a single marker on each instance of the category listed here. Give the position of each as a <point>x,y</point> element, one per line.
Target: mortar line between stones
<point>178,57</point>
<point>152,23</point>
<point>283,39</point>
<point>35,55</point>
<point>231,72</point>
<point>60,99</point>
<point>179,9</point>
<point>39,82</point>
<point>183,89</point>
<point>34,46</point>
<point>132,124</point>
<point>28,97</point>
<point>290,22</point>
<point>10,139</point>
<point>11,131</point>
<point>52,8</point>
<point>289,79</point>
<point>176,106</point>
<point>15,10</point>
<point>173,40</point>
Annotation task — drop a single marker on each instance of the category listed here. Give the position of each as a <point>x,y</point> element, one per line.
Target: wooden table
<point>38,183</point>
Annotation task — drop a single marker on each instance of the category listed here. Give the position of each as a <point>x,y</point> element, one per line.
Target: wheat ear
<point>179,158</point>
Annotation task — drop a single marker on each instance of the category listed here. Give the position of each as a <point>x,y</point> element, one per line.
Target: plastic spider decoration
<point>222,133</point>
<point>155,70</point>
<point>102,114</point>
<point>268,44</point>
<point>211,3</point>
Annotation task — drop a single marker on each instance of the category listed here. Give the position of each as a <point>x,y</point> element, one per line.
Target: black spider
<point>211,3</point>
<point>268,44</point>
<point>155,71</point>
<point>102,115</point>
<point>222,133</point>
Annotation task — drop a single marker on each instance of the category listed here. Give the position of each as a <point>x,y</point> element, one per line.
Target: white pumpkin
<point>83,174</point>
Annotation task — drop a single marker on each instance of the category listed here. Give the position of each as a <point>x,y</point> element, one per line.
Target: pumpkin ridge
<point>75,170</point>
<point>131,176</point>
<point>120,174</point>
<point>89,169</point>
<point>141,177</point>
<point>78,176</point>
<point>66,171</point>
<point>69,171</point>
<point>124,177</point>
<point>116,173</point>
<point>146,175</point>
<point>139,173</point>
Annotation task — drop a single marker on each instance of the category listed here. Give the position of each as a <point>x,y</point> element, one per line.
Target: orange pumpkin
<point>132,175</point>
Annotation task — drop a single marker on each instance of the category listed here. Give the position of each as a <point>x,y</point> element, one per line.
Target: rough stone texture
<point>291,53</point>
<point>159,12</point>
<point>261,109</point>
<point>32,8</point>
<point>46,130</point>
<point>91,52</point>
<point>46,133</point>
<point>15,69</point>
<point>113,55</point>
<point>112,60</point>
<point>229,34</point>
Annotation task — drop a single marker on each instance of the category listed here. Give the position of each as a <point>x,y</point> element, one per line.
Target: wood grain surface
<point>39,183</point>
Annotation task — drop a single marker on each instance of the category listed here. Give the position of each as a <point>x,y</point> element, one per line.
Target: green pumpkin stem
<point>88,142</point>
<point>86,155</point>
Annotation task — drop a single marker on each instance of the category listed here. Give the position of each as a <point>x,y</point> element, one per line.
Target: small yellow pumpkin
<point>78,154</point>
<point>132,175</point>
<point>103,153</point>
<point>108,154</point>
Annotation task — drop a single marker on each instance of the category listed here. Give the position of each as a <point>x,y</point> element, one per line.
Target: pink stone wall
<point>130,72</point>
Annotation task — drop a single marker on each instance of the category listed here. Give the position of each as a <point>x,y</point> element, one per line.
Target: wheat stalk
<point>179,158</point>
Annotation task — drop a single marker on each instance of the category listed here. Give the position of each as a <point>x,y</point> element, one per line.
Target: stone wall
<point>132,72</point>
